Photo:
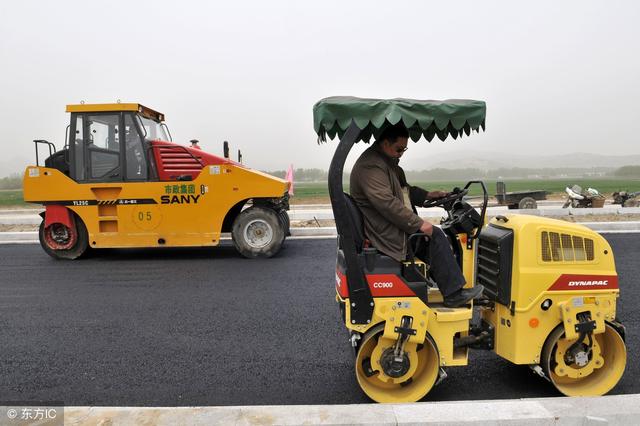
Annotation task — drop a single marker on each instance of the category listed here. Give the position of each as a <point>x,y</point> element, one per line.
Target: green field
<point>318,192</point>
<point>11,197</point>
<point>554,186</point>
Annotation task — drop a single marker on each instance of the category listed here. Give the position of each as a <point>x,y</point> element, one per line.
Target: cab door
<point>107,147</point>
<point>96,155</point>
<point>135,153</point>
<point>106,155</point>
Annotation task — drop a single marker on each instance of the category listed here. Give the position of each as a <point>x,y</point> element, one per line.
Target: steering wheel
<point>453,196</point>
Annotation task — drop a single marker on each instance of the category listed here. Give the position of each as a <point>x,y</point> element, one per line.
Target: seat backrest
<point>356,219</point>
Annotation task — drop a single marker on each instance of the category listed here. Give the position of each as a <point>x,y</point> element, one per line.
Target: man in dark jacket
<point>376,186</point>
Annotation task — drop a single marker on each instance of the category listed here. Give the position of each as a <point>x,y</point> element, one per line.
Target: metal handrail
<point>51,146</point>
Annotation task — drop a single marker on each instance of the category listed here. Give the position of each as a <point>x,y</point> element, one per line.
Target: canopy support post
<point>360,300</point>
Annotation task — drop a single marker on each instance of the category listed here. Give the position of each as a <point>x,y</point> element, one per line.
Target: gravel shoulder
<point>568,218</point>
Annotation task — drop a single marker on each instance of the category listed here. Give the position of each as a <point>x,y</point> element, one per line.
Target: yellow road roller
<point>550,286</point>
<point>120,181</point>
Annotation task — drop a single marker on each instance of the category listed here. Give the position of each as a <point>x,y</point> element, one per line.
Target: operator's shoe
<point>463,296</point>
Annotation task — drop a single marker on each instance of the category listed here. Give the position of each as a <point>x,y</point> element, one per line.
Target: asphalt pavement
<point>190,327</point>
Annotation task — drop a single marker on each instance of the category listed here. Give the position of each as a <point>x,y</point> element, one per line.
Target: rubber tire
<point>260,213</point>
<point>286,223</point>
<point>527,203</point>
<point>80,247</point>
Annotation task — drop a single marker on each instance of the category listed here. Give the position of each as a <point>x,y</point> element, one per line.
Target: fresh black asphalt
<point>178,327</point>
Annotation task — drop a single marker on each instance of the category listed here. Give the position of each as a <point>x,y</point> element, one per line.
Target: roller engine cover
<point>465,218</point>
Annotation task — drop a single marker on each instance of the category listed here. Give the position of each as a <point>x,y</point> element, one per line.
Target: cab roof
<point>147,112</point>
<point>422,118</point>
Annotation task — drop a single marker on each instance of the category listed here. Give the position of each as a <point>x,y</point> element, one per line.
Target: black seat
<point>417,280</point>
<point>356,219</point>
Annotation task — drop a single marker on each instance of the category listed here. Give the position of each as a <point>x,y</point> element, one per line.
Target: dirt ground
<point>556,196</point>
<point>602,218</point>
<point>18,228</point>
<point>36,207</point>
<point>310,200</point>
<point>330,222</point>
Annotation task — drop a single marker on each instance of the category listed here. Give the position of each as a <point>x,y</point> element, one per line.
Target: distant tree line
<point>628,172</point>
<point>13,181</point>
<point>506,173</point>
<point>439,174</point>
<point>303,175</point>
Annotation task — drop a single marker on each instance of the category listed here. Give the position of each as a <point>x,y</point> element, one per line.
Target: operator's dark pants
<point>444,268</point>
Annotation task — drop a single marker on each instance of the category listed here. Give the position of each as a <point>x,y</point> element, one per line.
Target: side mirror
<point>225,148</point>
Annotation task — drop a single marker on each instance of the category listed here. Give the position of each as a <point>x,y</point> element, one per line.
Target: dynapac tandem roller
<point>120,181</point>
<point>550,286</point>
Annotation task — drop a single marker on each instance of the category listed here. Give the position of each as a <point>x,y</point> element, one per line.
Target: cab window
<point>153,130</point>
<point>135,155</point>
<point>78,166</point>
<point>102,141</point>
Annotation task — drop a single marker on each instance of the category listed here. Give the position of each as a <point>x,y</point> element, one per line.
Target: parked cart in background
<point>626,199</point>
<point>518,199</point>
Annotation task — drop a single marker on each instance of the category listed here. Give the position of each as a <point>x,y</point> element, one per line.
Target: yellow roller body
<point>581,277</point>
<point>562,274</point>
<point>195,220</point>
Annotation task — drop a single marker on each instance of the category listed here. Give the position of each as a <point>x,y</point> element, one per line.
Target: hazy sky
<point>557,76</point>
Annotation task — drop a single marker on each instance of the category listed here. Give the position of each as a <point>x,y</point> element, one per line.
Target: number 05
<point>144,216</point>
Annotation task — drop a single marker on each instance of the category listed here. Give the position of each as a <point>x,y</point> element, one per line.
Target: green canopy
<point>332,116</point>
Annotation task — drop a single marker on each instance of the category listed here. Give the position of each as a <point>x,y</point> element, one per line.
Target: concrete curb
<point>31,237</point>
<point>31,217</point>
<point>324,231</point>
<point>20,219</point>
<point>600,227</point>
<point>19,237</point>
<point>615,409</point>
<point>436,212</point>
<point>605,227</point>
